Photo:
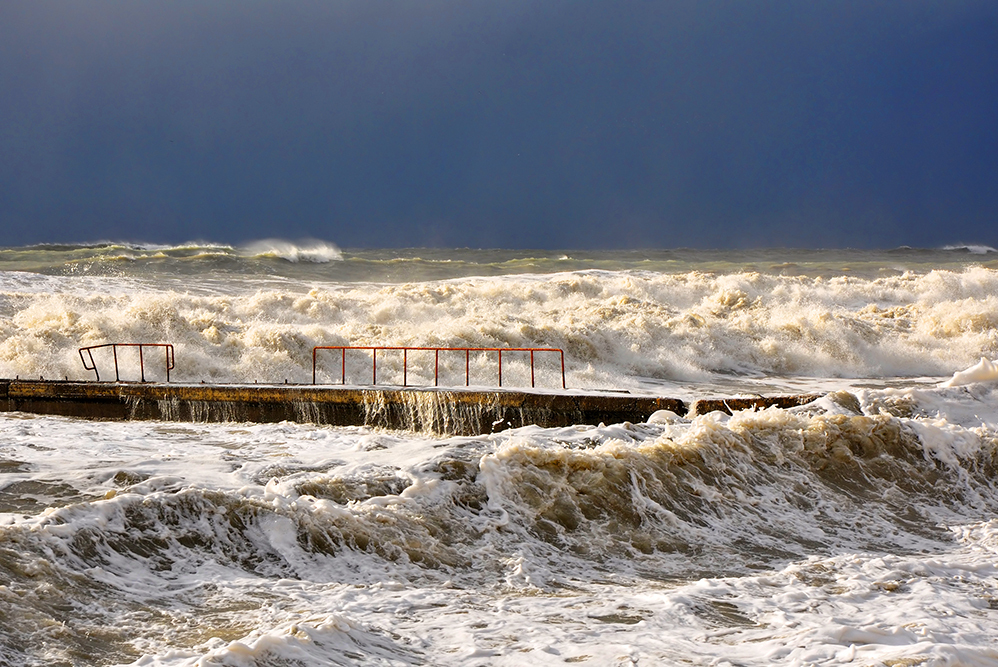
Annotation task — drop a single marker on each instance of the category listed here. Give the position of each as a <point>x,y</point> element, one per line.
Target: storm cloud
<point>514,124</point>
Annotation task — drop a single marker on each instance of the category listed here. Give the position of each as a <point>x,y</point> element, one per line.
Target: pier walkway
<point>458,411</point>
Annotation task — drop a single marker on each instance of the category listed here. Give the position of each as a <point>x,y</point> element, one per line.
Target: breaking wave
<point>319,252</point>
<point>618,329</point>
<point>973,249</point>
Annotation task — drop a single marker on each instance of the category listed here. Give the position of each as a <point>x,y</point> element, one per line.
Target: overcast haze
<point>544,124</point>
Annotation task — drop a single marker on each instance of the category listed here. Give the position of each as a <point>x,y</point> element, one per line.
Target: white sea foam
<point>983,371</point>
<point>618,329</point>
<point>798,537</point>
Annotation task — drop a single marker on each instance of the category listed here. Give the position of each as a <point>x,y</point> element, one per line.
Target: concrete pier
<point>452,411</point>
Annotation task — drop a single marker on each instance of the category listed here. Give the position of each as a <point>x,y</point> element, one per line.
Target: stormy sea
<point>858,529</point>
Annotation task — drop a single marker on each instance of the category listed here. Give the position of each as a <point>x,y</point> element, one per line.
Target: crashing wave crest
<point>315,251</point>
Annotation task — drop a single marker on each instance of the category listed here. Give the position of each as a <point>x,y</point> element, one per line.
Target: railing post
<point>562,352</point>
<point>114,348</point>
<point>531,368</point>
<point>436,368</point>
<point>500,367</point>
<point>467,368</point>
<point>92,366</point>
<point>142,364</point>
<point>405,367</point>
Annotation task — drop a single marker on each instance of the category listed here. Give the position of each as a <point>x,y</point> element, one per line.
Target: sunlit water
<point>860,529</point>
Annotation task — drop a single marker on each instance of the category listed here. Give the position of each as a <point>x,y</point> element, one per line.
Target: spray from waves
<point>613,326</point>
<point>318,252</point>
<point>536,509</point>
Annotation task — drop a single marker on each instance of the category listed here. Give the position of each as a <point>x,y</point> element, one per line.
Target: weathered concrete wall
<point>704,405</point>
<point>435,410</point>
<point>447,411</point>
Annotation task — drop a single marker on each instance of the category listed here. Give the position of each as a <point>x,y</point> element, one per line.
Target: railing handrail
<point>170,360</point>
<point>436,367</point>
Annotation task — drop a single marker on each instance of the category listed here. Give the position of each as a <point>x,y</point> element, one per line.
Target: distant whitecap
<point>973,249</point>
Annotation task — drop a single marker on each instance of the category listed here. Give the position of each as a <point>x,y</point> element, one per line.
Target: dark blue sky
<point>546,124</point>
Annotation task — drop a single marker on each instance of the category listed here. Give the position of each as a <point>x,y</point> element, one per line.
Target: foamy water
<point>860,529</point>
<point>235,319</point>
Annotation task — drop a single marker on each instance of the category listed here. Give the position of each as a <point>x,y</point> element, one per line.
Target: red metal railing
<point>142,366</point>
<point>436,365</point>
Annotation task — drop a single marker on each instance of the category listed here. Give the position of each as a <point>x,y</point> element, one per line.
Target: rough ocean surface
<point>861,529</point>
